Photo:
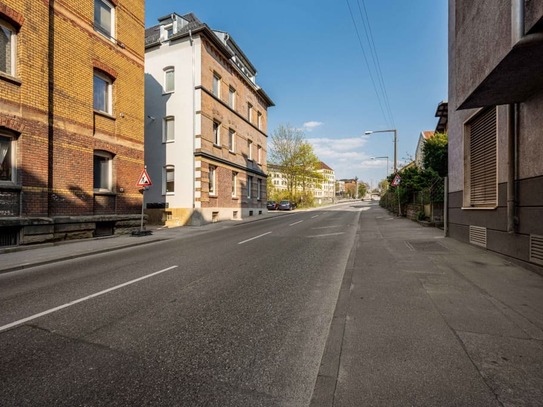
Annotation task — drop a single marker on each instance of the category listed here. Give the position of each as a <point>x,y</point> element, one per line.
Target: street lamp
<point>386,156</point>
<point>395,144</point>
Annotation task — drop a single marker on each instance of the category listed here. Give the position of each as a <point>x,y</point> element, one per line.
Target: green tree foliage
<point>436,155</point>
<point>298,162</point>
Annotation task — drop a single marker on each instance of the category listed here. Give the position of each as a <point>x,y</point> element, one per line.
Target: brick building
<point>71,118</point>
<point>205,130</point>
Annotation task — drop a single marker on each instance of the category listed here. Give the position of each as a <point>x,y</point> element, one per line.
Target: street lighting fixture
<point>386,156</point>
<point>395,144</point>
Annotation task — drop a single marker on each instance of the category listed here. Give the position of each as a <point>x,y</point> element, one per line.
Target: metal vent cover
<point>477,235</point>
<point>536,249</point>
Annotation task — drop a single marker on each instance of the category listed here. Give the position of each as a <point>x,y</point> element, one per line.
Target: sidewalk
<point>424,320</point>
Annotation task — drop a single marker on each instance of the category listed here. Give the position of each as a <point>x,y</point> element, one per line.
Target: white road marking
<point>69,304</point>
<point>313,217</point>
<point>329,227</point>
<point>253,238</point>
<point>328,234</point>
<point>295,223</point>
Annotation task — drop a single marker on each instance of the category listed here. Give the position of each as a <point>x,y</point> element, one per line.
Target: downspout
<point>517,35</point>
<point>193,123</point>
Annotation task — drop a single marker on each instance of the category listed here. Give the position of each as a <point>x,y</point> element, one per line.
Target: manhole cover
<point>426,246</point>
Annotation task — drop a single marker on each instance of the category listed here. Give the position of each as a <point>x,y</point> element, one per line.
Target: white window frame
<point>7,138</point>
<point>232,97</point>
<point>250,150</point>
<point>259,154</point>
<point>249,185</point>
<point>10,70</point>
<point>166,136</point>
<point>169,70</point>
<point>231,140</point>
<point>212,180</point>
<point>216,85</point>
<point>165,170</point>
<point>108,90</point>
<point>259,120</point>
<point>97,24</point>
<point>109,182</point>
<point>234,184</point>
<point>258,188</point>
<point>216,133</point>
<point>249,111</point>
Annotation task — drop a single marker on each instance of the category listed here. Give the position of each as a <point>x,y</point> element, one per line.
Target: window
<point>259,120</point>
<point>258,154</point>
<point>249,111</point>
<point>169,80</point>
<point>168,186</point>
<point>258,188</point>
<point>102,93</point>
<point>104,18</point>
<point>168,131</point>
<point>250,149</point>
<point>217,85</point>
<point>8,41</point>
<point>212,184</point>
<point>480,182</point>
<point>249,185</point>
<point>217,133</point>
<point>234,183</point>
<point>232,98</point>
<point>102,171</point>
<point>231,140</point>
<point>7,159</point>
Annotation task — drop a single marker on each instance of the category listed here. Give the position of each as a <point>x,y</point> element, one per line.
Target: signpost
<point>144,182</point>
<point>396,183</point>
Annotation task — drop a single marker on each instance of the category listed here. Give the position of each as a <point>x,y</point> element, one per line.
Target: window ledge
<point>104,193</point>
<point>168,141</point>
<point>12,79</point>
<point>168,93</point>
<point>104,114</point>
<point>232,152</point>
<point>217,145</point>
<point>479,208</point>
<point>10,185</point>
<point>235,198</point>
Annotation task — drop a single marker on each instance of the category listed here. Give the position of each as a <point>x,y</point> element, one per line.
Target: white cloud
<point>312,125</point>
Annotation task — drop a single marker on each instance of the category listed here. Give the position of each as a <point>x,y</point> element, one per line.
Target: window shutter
<point>483,160</point>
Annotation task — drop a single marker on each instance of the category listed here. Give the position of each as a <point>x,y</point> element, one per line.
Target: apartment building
<point>71,118</point>
<point>494,125</point>
<point>325,189</point>
<point>205,126</point>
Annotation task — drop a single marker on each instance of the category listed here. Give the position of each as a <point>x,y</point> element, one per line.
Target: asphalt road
<point>237,316</point>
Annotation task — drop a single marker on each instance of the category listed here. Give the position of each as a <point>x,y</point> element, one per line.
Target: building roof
<point>325,167</point>
<point>442,112</point>
<point>427,134</point>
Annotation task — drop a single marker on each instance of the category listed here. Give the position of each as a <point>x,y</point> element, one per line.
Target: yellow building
<point>71,118</point>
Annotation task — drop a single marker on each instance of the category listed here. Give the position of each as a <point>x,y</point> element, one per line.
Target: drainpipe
<point>193,122</point>
<point>517,35</point>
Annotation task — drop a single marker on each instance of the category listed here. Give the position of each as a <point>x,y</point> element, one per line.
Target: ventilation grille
<point>477,235</point>
<point>8,236</point>
<point>536,249</point>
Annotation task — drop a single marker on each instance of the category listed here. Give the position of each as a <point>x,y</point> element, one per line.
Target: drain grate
<point>426,246</point>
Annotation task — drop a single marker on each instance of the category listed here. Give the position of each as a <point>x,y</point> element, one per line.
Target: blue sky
<point>310,62</point>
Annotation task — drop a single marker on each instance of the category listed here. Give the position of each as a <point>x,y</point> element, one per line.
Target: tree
<point>435,152</point>
<point>297,160</point>
<point>363,188</point>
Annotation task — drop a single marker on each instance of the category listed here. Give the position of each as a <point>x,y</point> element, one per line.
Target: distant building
<point>419,153</point>
<point>71,118</point>
<point>205,128</point>
<point>494,126</point>
<point>324,191</point>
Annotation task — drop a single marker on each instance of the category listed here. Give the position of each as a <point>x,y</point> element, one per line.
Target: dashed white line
<point>313,217</point>
<point>295,223</point>
<point>328,234</point>
<point>69,304</point>
<point>253,238</point>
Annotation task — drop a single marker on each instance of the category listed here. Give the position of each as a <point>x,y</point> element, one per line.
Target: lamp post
<point>385,156</point>
<point>395,144</point>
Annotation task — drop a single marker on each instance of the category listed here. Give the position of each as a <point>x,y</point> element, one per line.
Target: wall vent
<point>477,235</point>
<point>536,249</point>
<point>9,236</point>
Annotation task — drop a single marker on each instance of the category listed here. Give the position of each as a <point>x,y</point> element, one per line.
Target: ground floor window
<point>7,158</point>
<point>103,168</point>
<point>169,179</point>
<point>212,183</point>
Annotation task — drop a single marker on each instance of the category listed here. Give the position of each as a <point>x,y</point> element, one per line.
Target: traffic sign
<point>144,180</point>
<point>396,181</point>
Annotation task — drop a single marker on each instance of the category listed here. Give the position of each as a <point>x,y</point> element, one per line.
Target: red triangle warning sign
<point>144,180</point>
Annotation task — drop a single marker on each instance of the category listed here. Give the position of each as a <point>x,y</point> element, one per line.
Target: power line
<point>366,60</point>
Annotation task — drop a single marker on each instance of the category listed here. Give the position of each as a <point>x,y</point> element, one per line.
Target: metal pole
<point>142,208</point>
<point>446,207</point>
<point>395,151</point>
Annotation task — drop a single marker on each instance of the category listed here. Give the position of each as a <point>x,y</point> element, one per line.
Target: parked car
<point>286,206</point>
<point>272,205</point>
